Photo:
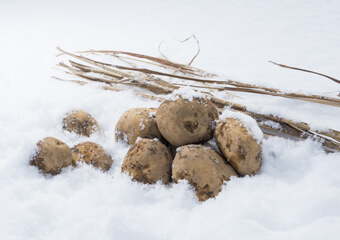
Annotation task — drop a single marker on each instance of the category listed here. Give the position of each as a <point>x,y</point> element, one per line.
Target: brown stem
<point>305,70</point>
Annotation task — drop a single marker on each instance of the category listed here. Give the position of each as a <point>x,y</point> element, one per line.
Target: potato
<point>51,156</point>
<point>204,169</point>
<point>148,161</point>
<point>81,123</point>
<point>92,153</point>
<point>237,145</point>
<point>184,122</point>
<point>137,122</point>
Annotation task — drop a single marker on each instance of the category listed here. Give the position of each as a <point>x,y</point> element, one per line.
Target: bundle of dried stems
<point>170,76</point>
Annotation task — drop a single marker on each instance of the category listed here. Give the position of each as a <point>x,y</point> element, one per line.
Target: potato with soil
<point>137,122</point>
<point>204,168</point>
<point>92,153</point>
<point>81,123</point>
<point>148,161</point>
<point>51,156</point>
<point>239,146</point>
<point>184,122</point>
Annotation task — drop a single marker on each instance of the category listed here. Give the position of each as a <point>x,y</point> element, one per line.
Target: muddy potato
<point>81,123</point>
<point>237,145</point>
<point>92,153</point>
<point>137,122</point>
<point>148,161</point>
<point>204,169</point>
<point>184,122</point>
<point>51,156</point>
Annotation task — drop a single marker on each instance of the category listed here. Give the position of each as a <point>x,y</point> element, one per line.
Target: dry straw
<point>162,76</point>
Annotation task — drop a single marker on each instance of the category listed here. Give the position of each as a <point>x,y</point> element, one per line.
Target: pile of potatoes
<point>170,143</point>
<point>167,144</point>
<point>52,154</point>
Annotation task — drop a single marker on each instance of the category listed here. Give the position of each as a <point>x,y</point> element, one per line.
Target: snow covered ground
<point>296,195</point>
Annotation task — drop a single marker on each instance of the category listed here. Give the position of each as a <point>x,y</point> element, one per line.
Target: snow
<point>296,194</point>
<point>272,124</point>
<point>186,93</point>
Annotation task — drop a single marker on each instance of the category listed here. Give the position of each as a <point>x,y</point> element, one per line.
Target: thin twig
<point>160,52</point>
<point>198,50</point>
<point>305,70</point>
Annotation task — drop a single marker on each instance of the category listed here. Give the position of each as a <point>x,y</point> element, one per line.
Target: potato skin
<point>81,123</point>
<point>137,122</point>
<point>238,146</point>
<point>204,169</point>
<point>184,122</point>
<point>92,153</point>
<point>148,161</point>
<point>51,156</point>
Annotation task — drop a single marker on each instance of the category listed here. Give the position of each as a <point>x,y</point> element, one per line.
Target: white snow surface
<point>186,93</point>
<point>296,194</point>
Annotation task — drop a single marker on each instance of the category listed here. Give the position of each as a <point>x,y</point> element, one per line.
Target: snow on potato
<point>203,168</point>
<point>148,161</point>
<point>81,123</point>
<point>135,123</point>
<point>92,153</point>
<point>183,121</point>
<point>51,156</point>
<point>239,146</point>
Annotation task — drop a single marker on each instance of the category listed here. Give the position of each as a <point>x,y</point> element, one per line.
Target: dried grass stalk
<point>113,75</point>
<point>305,70</point>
